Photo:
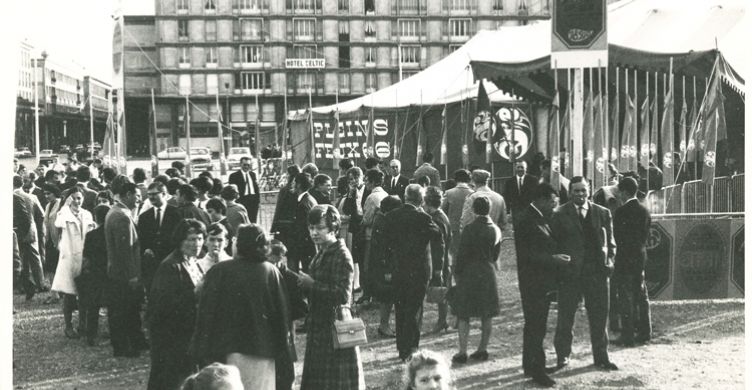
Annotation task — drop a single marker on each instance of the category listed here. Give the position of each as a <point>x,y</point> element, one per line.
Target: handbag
<point>436,294</point>
<point>348,332</point>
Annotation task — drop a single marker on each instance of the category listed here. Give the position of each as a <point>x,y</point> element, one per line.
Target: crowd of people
<point>218,288</point>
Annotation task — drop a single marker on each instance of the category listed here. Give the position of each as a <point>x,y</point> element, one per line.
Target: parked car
<point>233,158</point>
<point>172,153</point>
<point>46,153</point>
<point>23,152</point>
<point>201,158</point>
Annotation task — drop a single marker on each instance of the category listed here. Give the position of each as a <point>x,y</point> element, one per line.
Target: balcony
<point>183,65</point>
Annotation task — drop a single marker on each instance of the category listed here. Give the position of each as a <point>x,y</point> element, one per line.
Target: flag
<point>628,151</point>
<point>444,129</point>
<point>487,119</point>
<point>396,148</point>
<point>667,134</point>
<point>553,131</point>
<point>419,150</point>
<point>654,132</point>
<point>644,140</point>
<point>370,142</point>
<point>566,127</point>
<point>715,125</point>
<point>683,130</point>
<point>466,128</point>
<point>613,138</point>
<point>153,140</point>
<point>257,130</point>
<point>692,136</point>
<point>587,134</point>
<point>108,145</point>
<point>598,164</point>
<point>335,143</point>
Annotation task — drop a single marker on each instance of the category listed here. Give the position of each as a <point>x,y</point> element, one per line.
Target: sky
<point>71,30</point>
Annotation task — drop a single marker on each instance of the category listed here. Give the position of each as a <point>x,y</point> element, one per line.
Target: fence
<point>726,195</point>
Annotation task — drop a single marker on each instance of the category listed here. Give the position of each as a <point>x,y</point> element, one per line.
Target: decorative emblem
<point>483,124</point>
<point>668,160</point>
<point>589,156</point>
<point>710,159</point>
<point>512,119</point>
<point>579,35</point>
<point>691,145</point>
<point>653,148</point>
<point>625,151</point>
<point>632,151</point>
<point>555,166</point>
<point>683,146</point>
<point>599,164</point>
<point>644,150</point>
<point>654,238</point>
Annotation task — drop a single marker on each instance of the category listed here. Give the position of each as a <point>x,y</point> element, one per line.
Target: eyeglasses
<point>394,167</point>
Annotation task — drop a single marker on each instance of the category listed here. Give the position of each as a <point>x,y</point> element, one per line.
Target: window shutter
<point>395,7</point>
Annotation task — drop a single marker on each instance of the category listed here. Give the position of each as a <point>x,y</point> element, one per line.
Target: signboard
<point>305,63</point>
<point>701,262</point>
<point>737,261</point>
<point>658,267</point>
<point>579,36</point>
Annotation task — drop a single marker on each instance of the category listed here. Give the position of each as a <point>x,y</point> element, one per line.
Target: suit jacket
<point>535,248</point>
<point>454,202</point>
<point>515,197</point>
<point>191,211</point>
<point>302,247</point>
<point>90,197</point>
<point>399,189</point>
<point>238,178</point>
<point>158,239</point>
<point>428,170</point>
<point>123,247</point>
<point>570,235</point>
<point>37,218</point>
<point>39,193</point>
<point>22,219</point>
<point>408,233</point>
<point>631,231</point>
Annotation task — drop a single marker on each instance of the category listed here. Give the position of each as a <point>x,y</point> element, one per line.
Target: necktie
<point>248,188</point>
<point>583,213</point>
<point>394,183</point>
<point>158,216</point>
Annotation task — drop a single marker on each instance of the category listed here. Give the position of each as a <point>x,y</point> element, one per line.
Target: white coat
<point>71,247</point>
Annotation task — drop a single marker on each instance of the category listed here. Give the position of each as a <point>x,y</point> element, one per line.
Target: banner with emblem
<point>667,134</point>
<point>715,125</point>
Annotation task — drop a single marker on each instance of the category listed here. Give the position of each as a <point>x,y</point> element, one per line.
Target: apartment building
<point>285,53</point>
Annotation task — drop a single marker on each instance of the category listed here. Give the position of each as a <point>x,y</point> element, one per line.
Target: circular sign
<point>515,135</point>
<point>657,268</point>
<point>700,259</point>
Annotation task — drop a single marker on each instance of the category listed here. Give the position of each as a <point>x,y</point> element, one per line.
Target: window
<point>460,5</point>
<point>453,48</point>
<point>252,80</point>
<point>409,27</point>
<point>303,5</point>
<point>212,84</point>
<point>370,30</point>
<point>344,56</point>
<point>251,54</point>
<point>210,5</point>
<point>370,6</point>
<point>498,5</point>
<point>305,81</point>
<point>249,5</point>
<point>459,27</point>
<point>344,81</point>
<point>182,6</point>
<point>304,51</point>
<point>410,55</point>
<point>343,6</point>
<point>344,31</point>
<point>250,29</point>
<point>305,29</point>
<point>408,6</point>
<point>211,56</point>
<point>185,57</point>
<point>370,82</point>
<point>184,84</point>
<point>183,30</point>
<point>211,30</point>
<point>370,54</point>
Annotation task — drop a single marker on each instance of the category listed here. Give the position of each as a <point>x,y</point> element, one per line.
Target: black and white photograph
<point>375,194</point>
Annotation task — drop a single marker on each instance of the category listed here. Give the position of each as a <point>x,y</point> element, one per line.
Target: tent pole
<point>577,122</point>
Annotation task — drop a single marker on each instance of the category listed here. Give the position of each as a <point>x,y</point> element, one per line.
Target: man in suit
<point>322,186</point>
<point>428,170</point>
<point>454,202</point>
<point>408,232</point>
<point>217,211</point>
<point>497,213</point>
<point>517,189</point>
<point>537,262</point>
<point>124,271</point>
<point>395,183</point>
<point>155,227</point>
<point>83,175</point>
<point>245,180</point>
<point>631,231</point>
<point>302,249</point>
<point>30,244</point>
<point>583,231</point>
<point>187,208</point>
<point>22,222</point>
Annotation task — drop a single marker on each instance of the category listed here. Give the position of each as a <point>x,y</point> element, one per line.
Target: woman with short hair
<point>329,287</point>
<point>171,313</point>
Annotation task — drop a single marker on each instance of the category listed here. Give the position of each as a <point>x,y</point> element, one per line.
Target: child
<point>93,279</point>
<point>428,370</point>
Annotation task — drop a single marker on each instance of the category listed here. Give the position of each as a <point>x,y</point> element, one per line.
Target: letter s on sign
<point>380,127</point>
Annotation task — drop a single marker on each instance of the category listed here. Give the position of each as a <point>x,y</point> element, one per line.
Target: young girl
<point>428,370</point>
<point>74,223</point>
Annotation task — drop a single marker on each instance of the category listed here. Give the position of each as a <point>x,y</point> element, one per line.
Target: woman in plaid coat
<point>328,286</point>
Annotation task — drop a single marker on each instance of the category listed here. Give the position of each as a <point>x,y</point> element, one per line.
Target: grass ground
<point>697,344</point>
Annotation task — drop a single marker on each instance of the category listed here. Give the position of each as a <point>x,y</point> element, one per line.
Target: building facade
<point>258,57</point>
<point>62,95</point>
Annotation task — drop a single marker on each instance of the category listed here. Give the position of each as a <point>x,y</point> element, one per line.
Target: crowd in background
<point>187,257</point>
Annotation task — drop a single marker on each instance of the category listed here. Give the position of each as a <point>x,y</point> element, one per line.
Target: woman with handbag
<point>329,287</point>
<point>476,294</point>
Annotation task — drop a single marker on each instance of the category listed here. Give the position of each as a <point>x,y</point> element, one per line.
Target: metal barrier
<point>655,201</point>
<point>737,193</point>
<point>721,197</point>
<point>673,199</point>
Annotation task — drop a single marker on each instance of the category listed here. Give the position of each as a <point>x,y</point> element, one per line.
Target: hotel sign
<point>305,63</point>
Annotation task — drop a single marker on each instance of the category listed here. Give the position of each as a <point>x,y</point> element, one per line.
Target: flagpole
<point>615,137</point>
<point>91,121</point>
<point>153,136</point>
<point>188,170</point>
<point>284,129</point>
<point>596,152</point>
<point>577,122</point>
<point>684,126</point>
<point>222,151</point>
<point>310,110</point>
<point>36,107</point>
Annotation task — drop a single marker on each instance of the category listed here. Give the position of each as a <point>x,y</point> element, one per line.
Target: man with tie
<point>583,231</point>
<point>517,189</point>
<point>631,230</point>
<point>537,262</point>
<point>245,180</point>
<point>155,227</point>
<point>395,184</point>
